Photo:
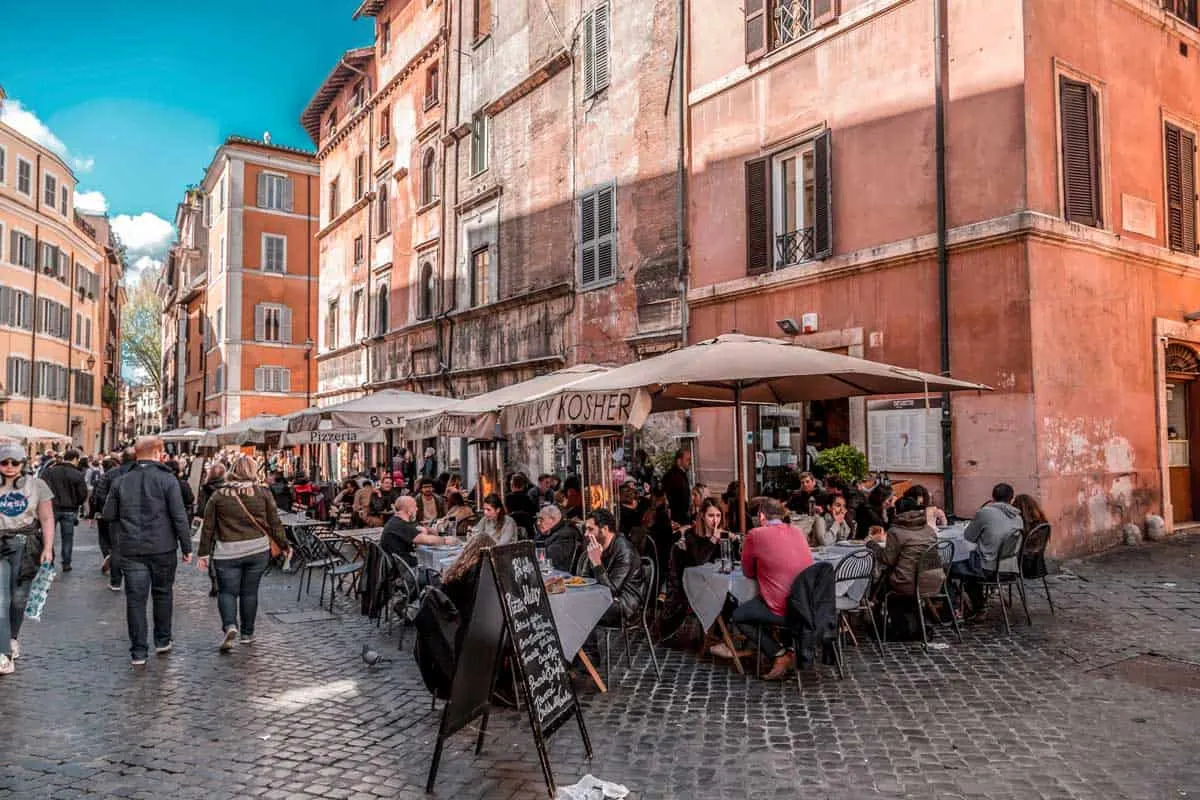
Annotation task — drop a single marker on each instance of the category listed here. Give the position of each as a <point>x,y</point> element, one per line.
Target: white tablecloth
<point>290,520</point>
<point>576,612</point>
<point>433,558</point>
<point>956,533</point>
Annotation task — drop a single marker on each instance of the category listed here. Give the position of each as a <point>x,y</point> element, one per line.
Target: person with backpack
<point>241,524</point>
<point>26,538</point>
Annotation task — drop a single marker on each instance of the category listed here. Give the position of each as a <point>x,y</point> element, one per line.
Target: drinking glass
<point>541,557</point>
<point>726,557</point>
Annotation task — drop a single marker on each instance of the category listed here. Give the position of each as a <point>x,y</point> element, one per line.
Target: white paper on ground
<point>591,788</point>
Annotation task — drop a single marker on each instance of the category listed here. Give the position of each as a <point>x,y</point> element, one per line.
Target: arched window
<point>383,208</point>
<point>428,177</point>
<point>426,297</point>
<point>1182,360</point>
<point>381,308</point>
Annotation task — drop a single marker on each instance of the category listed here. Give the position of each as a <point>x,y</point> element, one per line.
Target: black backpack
<point>437,623</point>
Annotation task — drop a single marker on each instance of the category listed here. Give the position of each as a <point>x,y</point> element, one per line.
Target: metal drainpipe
<point>941,68</point>
<point>681,177</point>
<point>308,319</point>
<point>70,344</point>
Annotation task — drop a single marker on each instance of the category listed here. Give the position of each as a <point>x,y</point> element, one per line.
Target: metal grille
<point>793,247</point>
<point>792,19</point>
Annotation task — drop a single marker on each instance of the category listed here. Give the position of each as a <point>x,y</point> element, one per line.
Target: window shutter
<point>14,248</point>
<point>587,236</point>
<point>260,323</point>
<point>756,29</point>
<point>1181,190</point>
<point>285,380</point>
<point>589,56</point>
<point>258,379</point>
<point>261,201</point>
<point>600,34</point>
<point>1080,153</point>
<point>2,237</point>
<point>288,190</point>
<point>606,227</point>
<point>758,216</point>
<point>7,307</point>
<point>823,201</point>
<point>285,325</point>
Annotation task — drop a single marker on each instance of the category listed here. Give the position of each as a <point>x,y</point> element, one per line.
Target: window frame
<point>385,126</point>
<point>1101,199</point>
<point>264,263</point>
<point>383,210</point>
<point>473,276</point>
<point>429,186</point>
<point>334,199</point>
<point>280,181</point>
<point>481,136</point>
<point>50,189</point>
<point>360,249</point>
<point>28,190</point>
<point>3,165</point>
<point>597,59</point>
<point>1184,131</point>
<point>594,243</point>
<point>332,321</point>
<point>426,292</point>
<point>385,37</point>
<point>432,90</point>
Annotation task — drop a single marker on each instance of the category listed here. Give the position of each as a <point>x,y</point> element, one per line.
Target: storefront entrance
<point>1183,431</point>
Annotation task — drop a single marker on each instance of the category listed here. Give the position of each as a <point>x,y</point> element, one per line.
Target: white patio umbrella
<point>730,370</point>
<point>476,417</point>
<point>388,408</point>
<point>183,435</point>
<point>27,435</point>
<point>253,430</point>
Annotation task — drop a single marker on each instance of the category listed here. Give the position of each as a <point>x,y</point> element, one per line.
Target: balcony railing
<point>793,247</point>
<point>792,19</point>
<point>1184,9</point>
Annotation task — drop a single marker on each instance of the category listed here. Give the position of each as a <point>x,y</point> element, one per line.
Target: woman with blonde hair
<point>241,522</point>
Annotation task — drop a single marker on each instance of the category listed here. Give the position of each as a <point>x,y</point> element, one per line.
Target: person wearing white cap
<point>26,525</point>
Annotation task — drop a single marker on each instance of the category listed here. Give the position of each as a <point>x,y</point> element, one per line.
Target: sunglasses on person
<point>11,462</point>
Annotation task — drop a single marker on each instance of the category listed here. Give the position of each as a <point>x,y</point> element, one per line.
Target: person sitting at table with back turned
<point>613,562</point>
<point>560,538</point>
<point>402,534</point>
<point>462,577</point>
<point>936,517</point>
<point>909,537</point>
<point>993,523</point>
<point>430,507</point>
<point>495,522</point>
<point>518,498</point>
<point>773,554</point>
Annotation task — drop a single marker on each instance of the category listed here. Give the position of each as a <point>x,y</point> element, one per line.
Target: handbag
<point>276,550</point>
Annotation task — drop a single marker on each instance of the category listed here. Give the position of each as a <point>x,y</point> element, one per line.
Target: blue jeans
<point>754,617</point>
<point>13,591</point>
<point>146,576</point>
<point>65,521</point>
<point>237,590</point>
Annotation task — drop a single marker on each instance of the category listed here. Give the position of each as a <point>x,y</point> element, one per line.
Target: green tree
<point>141,330</point>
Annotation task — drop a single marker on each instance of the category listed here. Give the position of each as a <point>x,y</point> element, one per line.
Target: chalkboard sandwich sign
<point>511,609</point>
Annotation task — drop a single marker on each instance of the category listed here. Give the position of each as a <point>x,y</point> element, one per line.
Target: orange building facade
<point>240,289</point>
<point>59,300</point>
<point>1071,268</point>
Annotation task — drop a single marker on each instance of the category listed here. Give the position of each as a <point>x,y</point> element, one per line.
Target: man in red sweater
<point>774,553</point>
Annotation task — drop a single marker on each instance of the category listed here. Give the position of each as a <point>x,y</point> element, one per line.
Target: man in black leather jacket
<point>151,523</point>
<point>613,562</point>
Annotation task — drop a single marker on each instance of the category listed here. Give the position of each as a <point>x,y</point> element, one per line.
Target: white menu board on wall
<point>904,435</point>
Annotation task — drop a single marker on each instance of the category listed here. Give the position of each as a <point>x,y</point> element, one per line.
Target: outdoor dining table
<point>957,533</point>
<point>576,612</point>
<point>437,557</point>
<point>293,520</point>
<point>706,588</point>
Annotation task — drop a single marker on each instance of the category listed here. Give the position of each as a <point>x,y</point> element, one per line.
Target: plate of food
<point>576,582</point>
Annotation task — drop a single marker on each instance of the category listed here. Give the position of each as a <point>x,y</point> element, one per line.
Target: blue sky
<point>139,94</point>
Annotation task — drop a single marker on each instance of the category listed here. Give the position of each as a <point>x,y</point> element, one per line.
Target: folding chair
<point>640,623</point>
<point>855,566</point>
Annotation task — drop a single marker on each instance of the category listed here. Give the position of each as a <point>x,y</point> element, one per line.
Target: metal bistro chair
<point>998,578</point>
<point>855,566</point>
<point>315,553</point>
<point>405,595</point>
<point>1032,561</point>
<point>939,555</point>
<point>641,623</point>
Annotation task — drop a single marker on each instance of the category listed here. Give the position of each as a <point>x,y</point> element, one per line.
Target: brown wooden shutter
<point>261,198</point>
<point>756,29</point>
<point>824,12</point>
<point>1080,152</point>
<point>1181,190</point>
<point>758,216</point>
<point>823,199</point>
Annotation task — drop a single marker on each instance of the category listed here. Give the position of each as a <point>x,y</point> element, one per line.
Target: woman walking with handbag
<point>26,535</point>
<point>241,528</point>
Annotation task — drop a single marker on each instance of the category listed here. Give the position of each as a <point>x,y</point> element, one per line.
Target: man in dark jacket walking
<point>104,528</point>
<point>147,508</point>
<point>65,479</point>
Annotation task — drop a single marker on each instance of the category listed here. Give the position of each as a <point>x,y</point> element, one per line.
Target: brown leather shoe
<point>781,668</point>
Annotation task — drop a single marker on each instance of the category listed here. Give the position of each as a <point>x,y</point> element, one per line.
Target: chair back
<point>650,594</point>
<point>1033,551</point>
<point>524,522</point>
<point>930,560</point>
<point>1010,547</point>
<point>855,566</point>
<point>945,549</point>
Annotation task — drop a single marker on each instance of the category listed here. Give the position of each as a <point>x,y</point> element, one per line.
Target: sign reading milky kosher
<point>618,407</point>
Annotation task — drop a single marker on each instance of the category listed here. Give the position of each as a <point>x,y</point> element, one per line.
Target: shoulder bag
<point>276,550</point>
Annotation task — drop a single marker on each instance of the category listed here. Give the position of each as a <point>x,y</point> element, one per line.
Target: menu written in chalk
<point>534,636</point>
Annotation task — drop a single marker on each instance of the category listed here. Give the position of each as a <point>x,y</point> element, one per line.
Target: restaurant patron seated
<point>401,534</point>
<point>560,538</point>
<point>613,562</point>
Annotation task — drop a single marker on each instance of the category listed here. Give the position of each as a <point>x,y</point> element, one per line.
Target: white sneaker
<point>15,647</point>
<point>166,648</point>
<point>6,665</point>
<point>230,639</point>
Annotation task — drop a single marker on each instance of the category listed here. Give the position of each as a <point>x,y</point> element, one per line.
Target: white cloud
<point>15,115</point>
<point>83,164</point>
<point>138,268</point>
<point>145,234</point>
<point>91,202</point>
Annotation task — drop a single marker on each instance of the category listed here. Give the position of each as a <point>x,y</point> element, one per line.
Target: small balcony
<point>793,247</point>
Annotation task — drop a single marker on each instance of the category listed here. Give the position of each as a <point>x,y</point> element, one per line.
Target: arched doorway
<point>1183,430</point>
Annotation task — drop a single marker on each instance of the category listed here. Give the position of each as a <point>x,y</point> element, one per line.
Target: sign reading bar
<point>511,602</point>
<point>620,407</point>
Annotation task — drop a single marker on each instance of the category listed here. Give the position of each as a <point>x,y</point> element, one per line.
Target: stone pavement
<point>1059,710</point>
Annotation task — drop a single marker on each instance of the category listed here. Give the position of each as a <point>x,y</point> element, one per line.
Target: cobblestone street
<point>1056,711</point>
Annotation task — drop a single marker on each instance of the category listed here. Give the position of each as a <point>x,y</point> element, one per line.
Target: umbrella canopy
<point>476,417</point>
<point>331,435</point>
<point>25,434</point>
<point>254,430</point>
<point>387,408</point>
<point>728,370</point>
<point>183,435</point>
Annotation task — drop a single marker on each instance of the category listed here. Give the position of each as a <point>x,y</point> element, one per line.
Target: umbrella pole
<point>740,451</point>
